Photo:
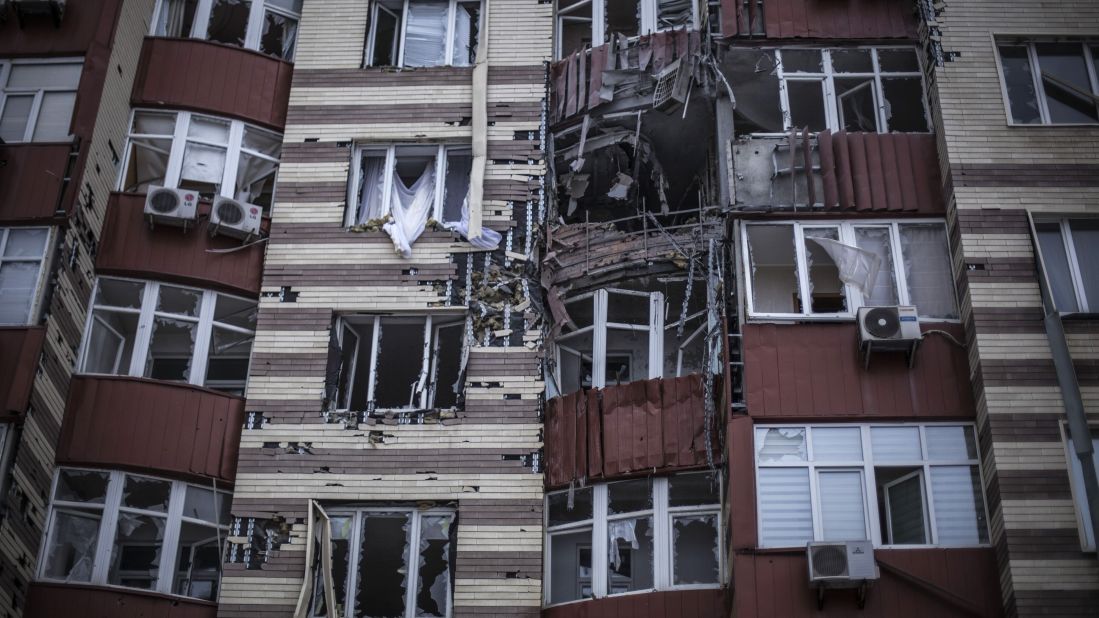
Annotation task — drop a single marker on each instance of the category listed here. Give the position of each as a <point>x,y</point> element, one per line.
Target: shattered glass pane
<point>342,526</point>
<point>695,550</point>
<point>898,61</point>
<point>673,13</point>
<point>627,356</point>
<point>198,561</point>
<point>383,565</point>
<point>575,32</point>
<point>852,61</point>
<point>279,34</point>
<point>148,163</point>
<point>858,112</point>
<point>629,554</point>
<point>456,187</point>
<point>928,270</point>
<point>176,18</point>
<point>171,347</point>
<point>1066,83</point>
<point>399,364</point>
<point>145,493</point>
<point>559,511</point>
<point>806,104</point>
<point>234,311</point>
<point>774,269</point>
<point>81,486</point>
<point>883,291</point>
<point>180,301</point>
<point>207,505</point>
<point>433,592</point>
<point>119,293</point>
<point>904,104</point>
<point>227,361</point>
<point>630,496</point>
<point>827,291</point>
<point>228,21</point>
<point>135,559</point>
<point>110,344</point>
<point>448,366</point>
<point>694,489</point>
<point>751,72</point>
<point>778,444</point>
<point>71,553</point>
<point>575,366</point>
<point>1019,83</point>
<point>570,566</point>
<point>627,309</point>
<point>623,18</point>
<point>581,312</point>
<point>802,61</point>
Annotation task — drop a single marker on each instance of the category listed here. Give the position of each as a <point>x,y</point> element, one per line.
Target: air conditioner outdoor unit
<point>236,219</point>
<point>848,564</point>
<point>889,328</point>
<point>171,206</point>
<point>51,8</point>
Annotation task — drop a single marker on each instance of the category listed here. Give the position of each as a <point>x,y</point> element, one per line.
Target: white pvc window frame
<point>827,76</point>
<point>147,314</point>
<point>42,259</point>
<point>1090,58</point>
<point>1075,272</point>
<point>416,516</point>
<point>854,298</point>
<point>865,467</point>
<point>399,37</point>
<point>663,516</point>
<point>257,11</point>
<point>234,148</point>
<point>442,161</point>
<point>37,93</point>
<point>649,12</point>
<point>1076,487</point>
<point>423,393</point>
<point>109,510</point>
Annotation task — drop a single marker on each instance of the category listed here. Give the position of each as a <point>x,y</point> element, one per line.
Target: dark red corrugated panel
<point>570,86</point>
<point>590,402</point>
<point>835,19</point>
<point>598,62</point>
<point>19,351</point>
<point>887,172</point>
<point>48,600</point>
<point>30,180</point>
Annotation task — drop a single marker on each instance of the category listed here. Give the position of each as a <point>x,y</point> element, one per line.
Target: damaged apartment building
<point>560,308</point>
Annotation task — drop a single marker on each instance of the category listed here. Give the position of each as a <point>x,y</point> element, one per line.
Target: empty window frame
<point>399,363</point>
<point>1070,255</point>
<point>22,256</point>
<point>37,99</point>
<point>1050,82</point>
<point>377,551</point>
<point>786,265</point>
<point>270,26</point>
<point>628,536</point>
<point>119,529</point>
<point>408,177</point>
<point>169,332</point>
<point>1079,495</point>
<point>210,155</point>
<point>423,33</point>
<point>857,89</point>
<point>896,485</point>
<point>582,23</point>
<point>617,336</point>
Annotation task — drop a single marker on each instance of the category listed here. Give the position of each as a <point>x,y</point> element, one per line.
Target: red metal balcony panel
<point>884,172</point>
<point>20,348</point>
<point>708,603</point>
<point>129,247</point>
<point>214,78</point>
<point>31,181</point>
<point>84,24</point>
<point>914,583</point>
<point>805,371</point>
<point>644,426</point>
<point>139,424</point>
<point>49,600</point>
<point>822,19</point>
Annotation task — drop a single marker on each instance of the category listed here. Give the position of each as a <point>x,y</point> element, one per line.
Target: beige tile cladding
<point>1005,312</point>
<point>461,460</point>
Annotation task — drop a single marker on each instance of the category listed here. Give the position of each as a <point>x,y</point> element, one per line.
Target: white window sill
<point>638,592</point>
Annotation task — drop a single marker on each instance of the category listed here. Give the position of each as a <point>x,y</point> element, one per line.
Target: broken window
<point>399,363</point>
<point>843,266</point>
<point>391,562</point>
<point>1050,82</point>
<point>195,336</point>
<point>193,151</point>
<point>37,98</point>
<point>884,494</point>
<point>269,26</point>
<point>22,254</point>
<point>641,333</point>
<point>124,530</point>
<point>652,534</point>
<point>1070,257</point>
<point>1080,499</point>
<point>862,89</point>
<point>423,33</point>
<point>592,22</point>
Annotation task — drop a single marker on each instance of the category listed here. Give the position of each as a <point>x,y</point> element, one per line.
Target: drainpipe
<point>1070,389</point>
